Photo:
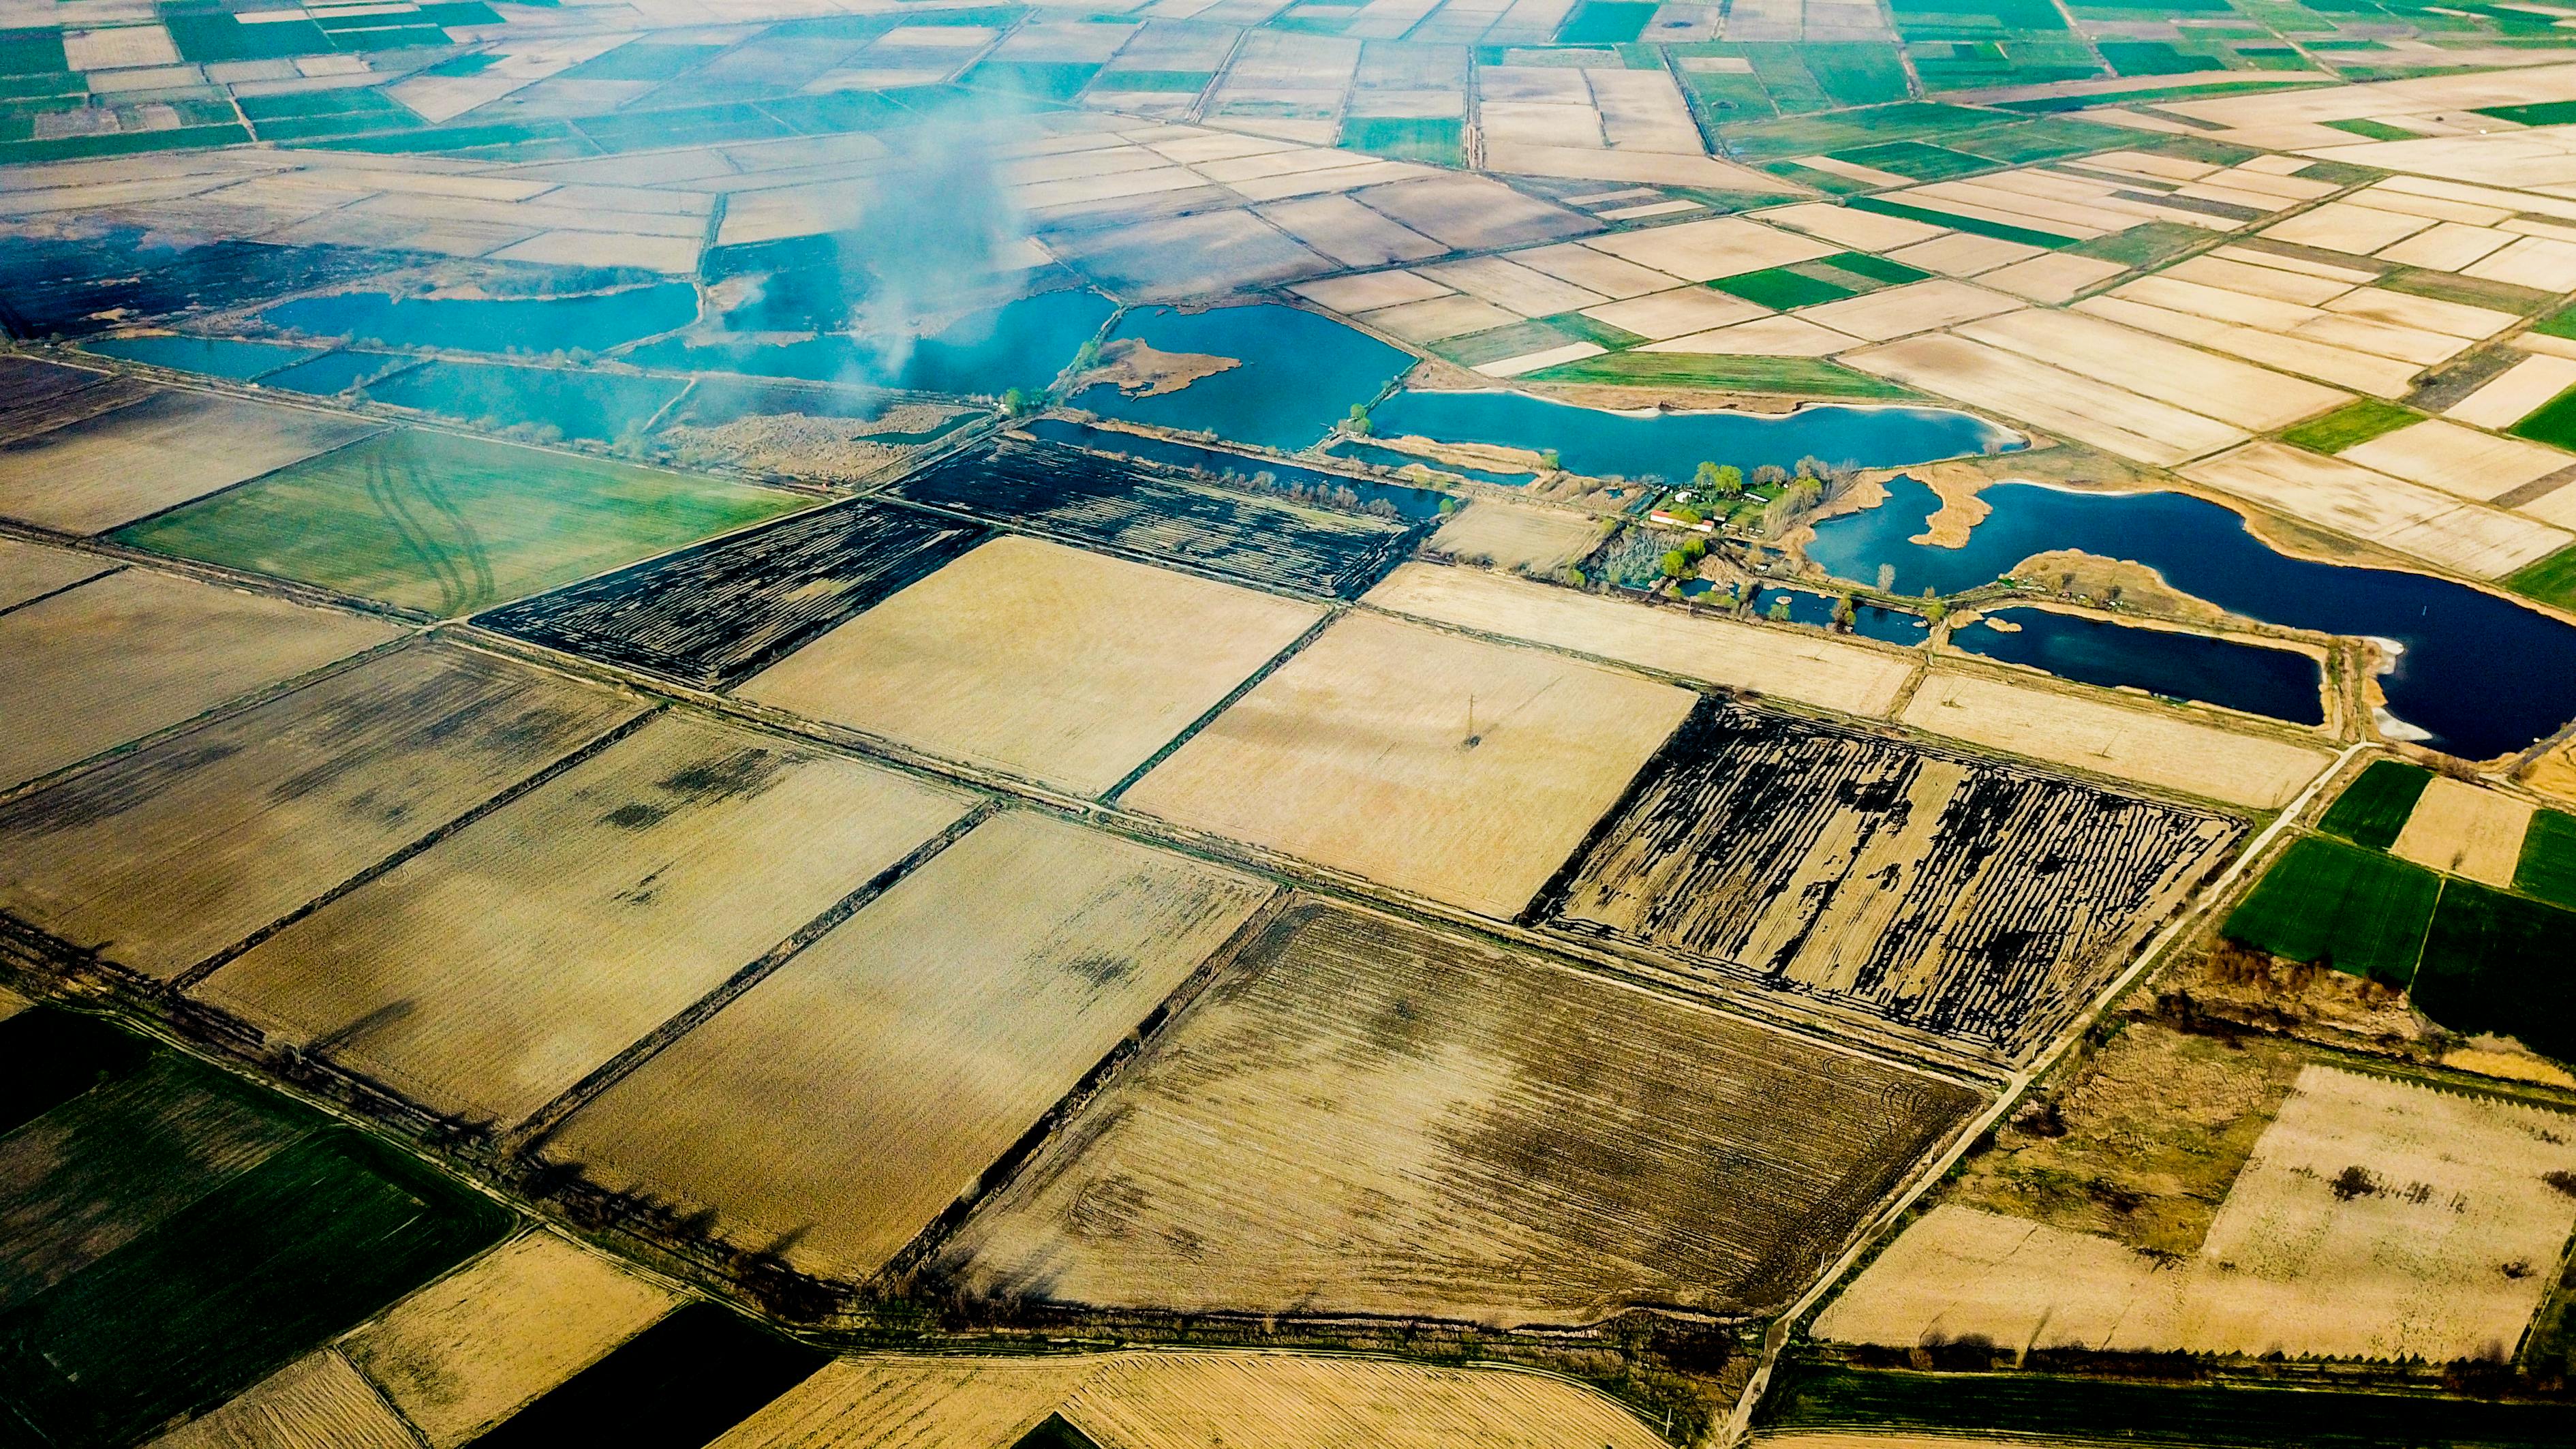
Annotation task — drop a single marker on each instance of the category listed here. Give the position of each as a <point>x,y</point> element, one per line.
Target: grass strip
<point>1974,225</point>
<point>2551,580</point>
<point>2350,426</point>
<point>1795,376</point>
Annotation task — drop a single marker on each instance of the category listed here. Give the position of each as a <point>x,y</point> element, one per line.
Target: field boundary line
<point>1738,1425</point>
<point>607,1074</point>
<point>65,589</point>
<point>188,979</point>
<point>1190,731</point>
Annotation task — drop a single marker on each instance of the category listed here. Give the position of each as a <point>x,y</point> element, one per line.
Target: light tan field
<point>1965,254</point>
<point>1601,272</point>
<point>1148,1400</point>
<point>1659,315</point>
<point>2361,371</point>
<point>1050,662</point>
<point>489,974</point>
<point>2541,263</point>
<point>2052,398</point>
<point>848,1099</point>
<point>29,570</point>
<point>2349,498</point>
<point>1435,318</point>
<point>2055,277</point>
<point>170,854</point>
<point>1360,1116</point>
<point>475,1347</point>
<point>2152,746</point>
<point>161,452</point>
<point>2232,392</point>
<point>2464,830</point>
<point>316,1402</point>
<point>2254,272</point>
<point>2517,394</point>
<point>2458,460</point>
<point>1701,251</point>
<point>2347,226</point>
<point>1860,230</point>
<point>1463,770</point>
<point>2376,1219</point>
<point>11,1003</point>
<point>1513,536</point>
<point>136,651</point>
<point>1762,337</point>
<point>1795,664</point>
<point>1915,307</point>
<point>1507,284</point>
<point>1364,294</point>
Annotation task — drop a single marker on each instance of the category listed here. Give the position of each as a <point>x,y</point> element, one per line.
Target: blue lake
<point>1673,445</point>
<point>1300,373</point>
<point>593,322</point>
<point>214,356</point>
<point>1398,460</point>
<point>1023,345</point>
<point>2480,675</point>
<point>1870,621</point>
<point>333,372</point>
<point>2281,683</point>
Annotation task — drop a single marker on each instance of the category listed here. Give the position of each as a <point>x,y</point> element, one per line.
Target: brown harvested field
<point>166,856</point>
<point>1455,768</point>
<point>316,1402</point>
<point>844,1102</point>
<point>2466,831</point>
<point>1361,1116</point>
<point>1062,666</point>
<point>485,976</point>
<point>32,570</point>
<point>476,1346</point>
<point>1794,664</point>
<point>2159,747</point>
<point>121,656</point>
<point>158,453</point>
<point>1979,901</point>
<point>1185,1400</point>
<point>1511,536</point>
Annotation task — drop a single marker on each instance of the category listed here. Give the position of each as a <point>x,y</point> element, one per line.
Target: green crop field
<point>1975,224</point>
<point>447,525</point>
<point>2372,809</point>
<point>1918,160</point>
<point>1780,289</point>
<point>234,1285</point>
<point>1405,138</point>
<point>2548,868</point>
<point>2339,905</point>
<point>2495,962</point>
<point>1800,376</point>
<point>48,1056</point>
<point>2350,426</point>
<point>2554,424</point>
<point>2551,580</point>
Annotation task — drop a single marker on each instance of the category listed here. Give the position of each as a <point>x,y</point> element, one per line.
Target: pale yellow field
<point>2049,397</point>
<point>1762,337</point>
<point>1599,271</point>
<point>1362,294</point>
<point>119,657</point>
<point>2348,226</point>
<point>487,975</point>
<point>1186,1400</point>
<point>1965,254</point>
<point>1916,307</point>
<point>846,1100</point>
<point>30,569</point>
<point>2153,746</point>
<point>1795,664</point>
<point>316,1402</point>
<point>2467,831</point>
<point>1847,226</point>
<point>1659,315</point>
<point>2512,397</point>
<point>2360,371</point>
<point>1959,1271</point>
<point>482,1343</point>
<point>2458,460</point>
<point>162,451</point>
<point>1050,662</point>
<point>2055,277</point>
<point>2349,498</point>
<point>1514,536</point>
<point>2216,387</point>
<point>1462,770</point>
<point>1700,251</point>
<point>11,1003</point>
<point>163,857</point>
<point>1509,285</point>
<point>1434,318</point>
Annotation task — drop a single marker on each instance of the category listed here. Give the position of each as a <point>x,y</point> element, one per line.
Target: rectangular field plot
<point>33,570</point>
<point>2159,747</point>
<point>2338,905</point>
<point>684,1381</point>
<point>166,856</point>
<point>714,614</point>
<point>1975,900</point>
<point>1099,500</point>
<point>121,656</point>
<point>1362,1117</point>
<point>842,1103</point>
<point>2499,963</point>
<point>161,451</point>
<point>2374,807</point>
<point>1067,667</point>
<point>1460,769</point>
<point>447,525</point>
<point>2459,829</point>
<point>490,973</point>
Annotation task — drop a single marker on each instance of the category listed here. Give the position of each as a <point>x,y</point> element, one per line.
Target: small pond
<point>2258,679</point>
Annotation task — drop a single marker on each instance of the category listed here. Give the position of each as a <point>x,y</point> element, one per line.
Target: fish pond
<point>2258,679</point>
<point>591,322</point>
<point>1295,374</point>
<point>1022,344</point>
<point>2477,674</point>
<point>1673,445</point>
<point>229,357</point>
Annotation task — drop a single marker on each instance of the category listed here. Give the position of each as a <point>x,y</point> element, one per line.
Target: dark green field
<point>448,525</point>
<point>47,1057</point>
<point>1404,138</point>
<point>2339,905</point>
<point>2350,426</point>
<point>1915,159</point>
<point>1780,288</point>
<point>2499,963</point>
<point>2548,868</point>
<point>2551,580</point>
<point>2554,423</point>
<point>1802,376</point>
<point>2372,809</point>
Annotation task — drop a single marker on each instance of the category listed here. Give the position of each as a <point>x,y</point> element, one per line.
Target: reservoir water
<point>2282,683</point>
<point>592,322</point>
<point>1298,375</point>
<point>1022,344</point>
<point>1673,445</point>
<point>2479,675</point>
<point>229,357</point>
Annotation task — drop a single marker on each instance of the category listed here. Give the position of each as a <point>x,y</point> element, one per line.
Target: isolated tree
<point>1770,475</point>
<point>1547,460</point>
<point>1728,481</point>
<point>1359,424</point>
<point>1845,612</point>
<point>1675,565</point>
<point>1014,402</point>
<point>1780,609</point>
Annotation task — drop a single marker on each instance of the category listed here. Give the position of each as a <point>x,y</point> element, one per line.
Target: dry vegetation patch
<point>30,570</point>
<point>2154,747</point>
<point>1364,1117</point>
<point>316,1402</point>
<point>490,973</point>
<point>160,452</point>
<point>1426,761</point>
<point>2463,830</point>
<point>846,1100</point>
<point>1510,536</point>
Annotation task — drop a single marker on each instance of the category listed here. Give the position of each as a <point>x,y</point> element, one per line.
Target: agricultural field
<point>488,975</point>
<point>136,651</point>
<point>2164,748</point>
<point>1089,499</point>
<point>1516,538</point>
<point>165,857</point>
<point>155,453</point>
<point>445,525</point>
<point>1362,1117</point>
<point>1057,665</point>
<point>29,571</point>
<point>1427,761</point>
<point>842,1102</point>
<point>1976,901</point>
